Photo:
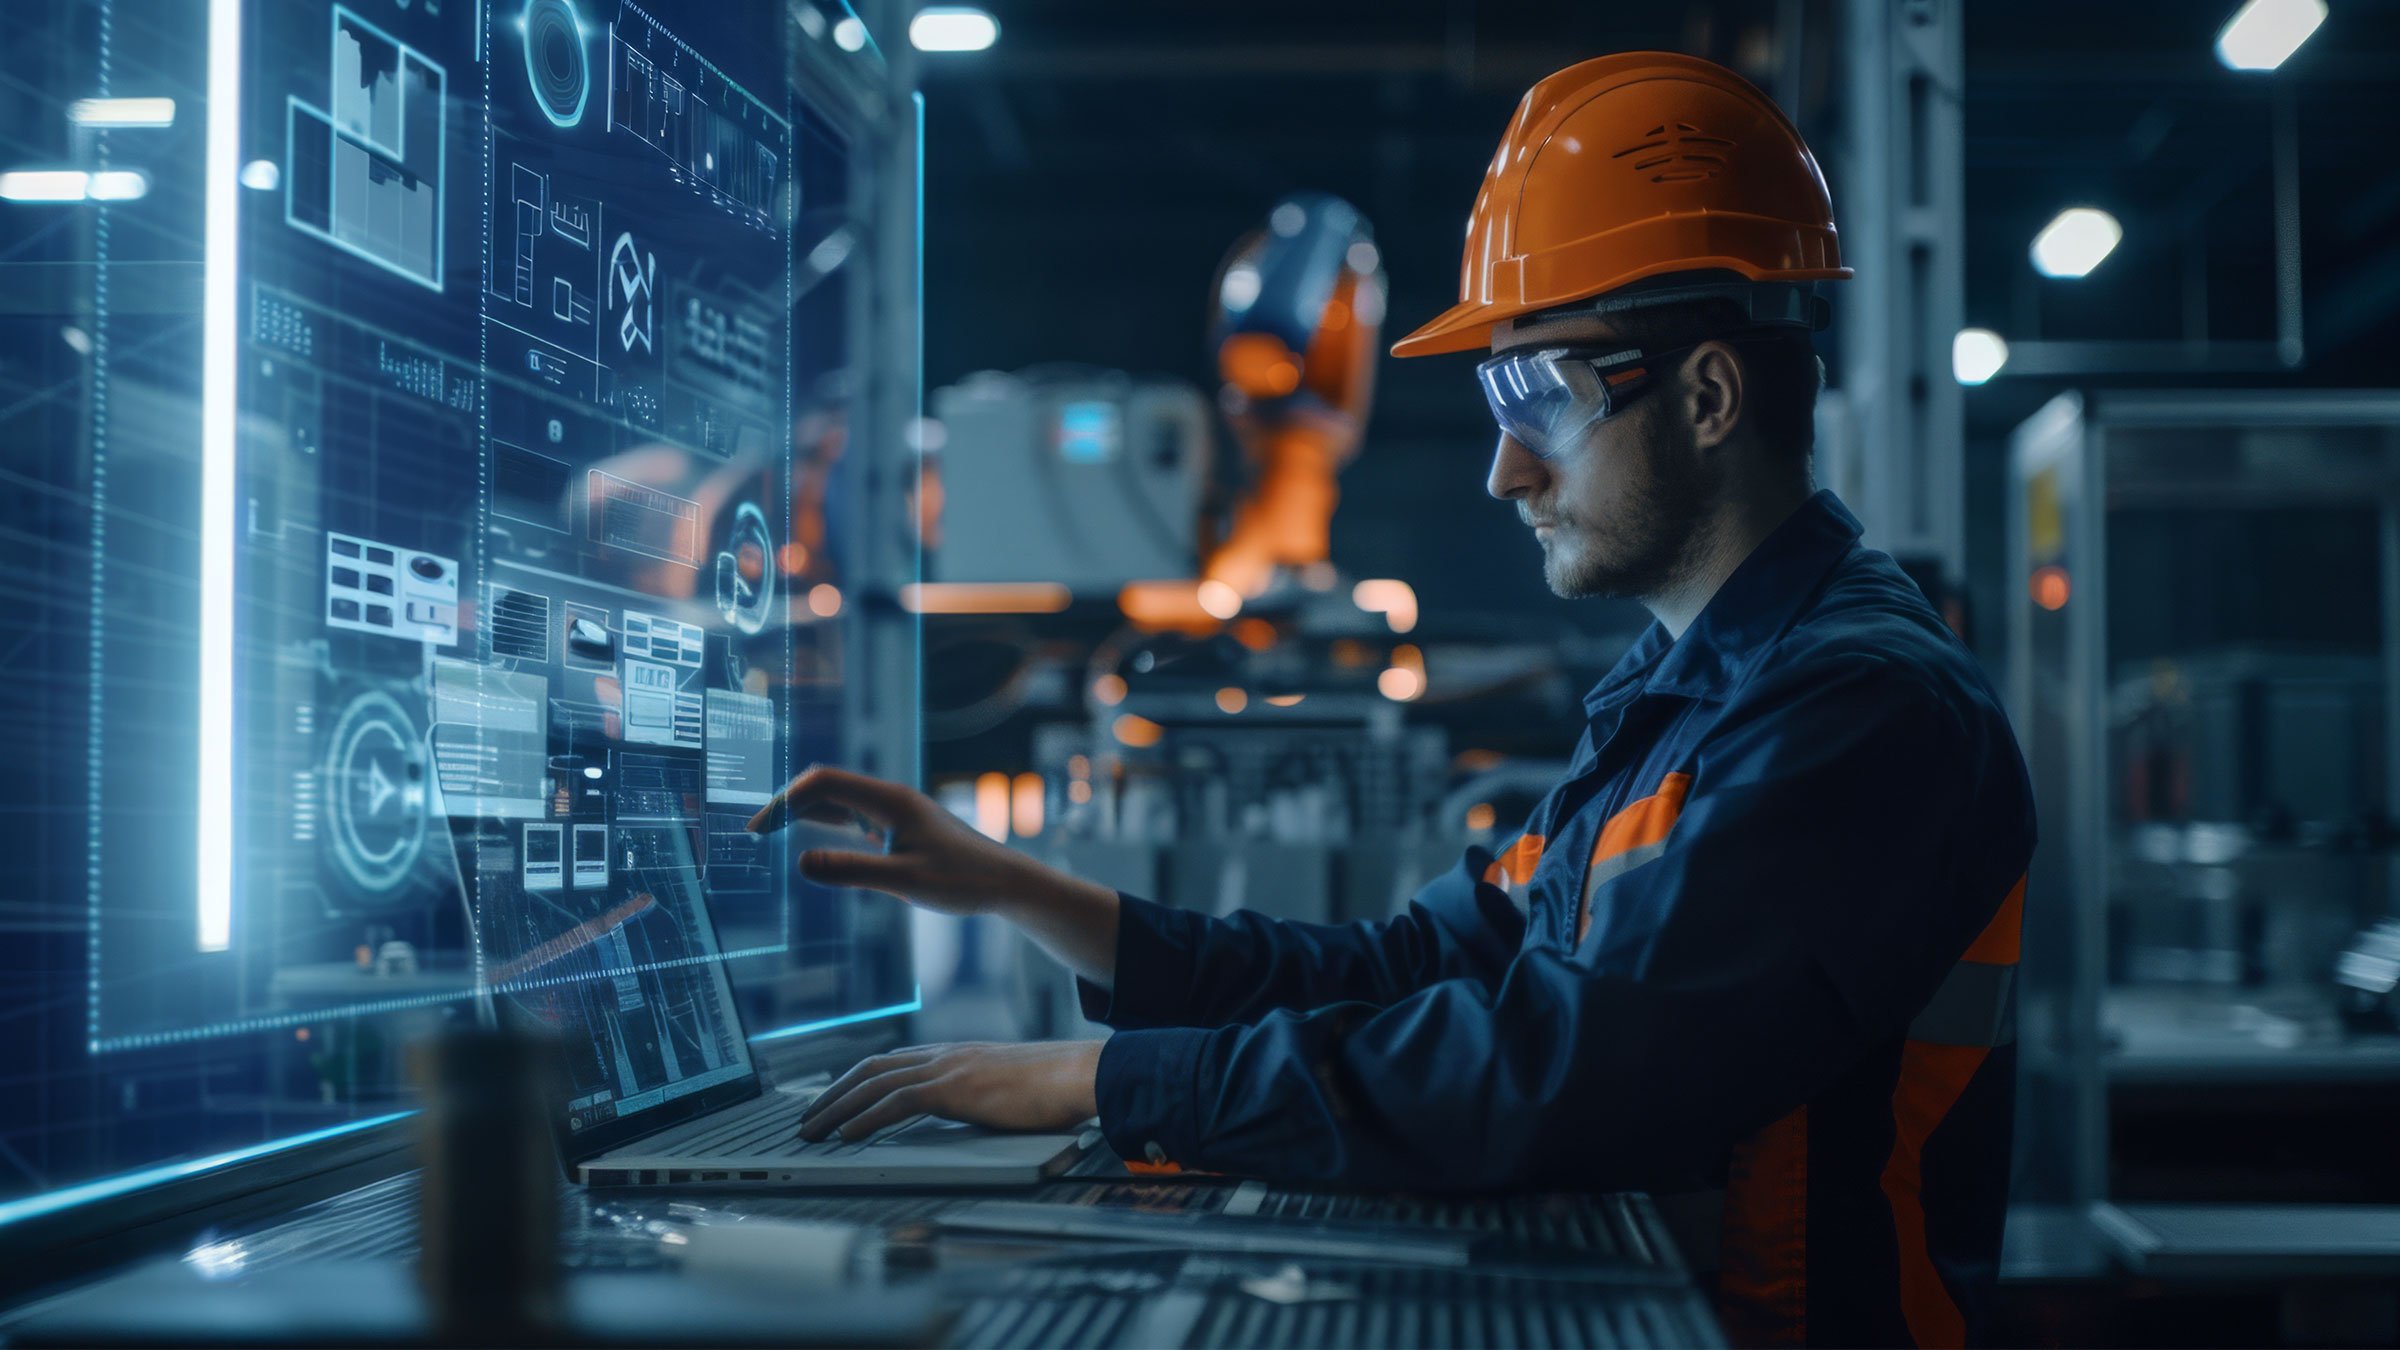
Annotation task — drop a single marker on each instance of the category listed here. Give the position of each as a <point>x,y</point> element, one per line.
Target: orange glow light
<point>1399,685</point>
<point>1079,792</point>
<point>1079,766</point>
<point>1025,805</point>
<point>1139,732</point>
<point>1255,633</point>
<point>1165,605</point>
<point>1481,816</point>
<point>1109,690</point>
<point>1232,700</point>
<point>824,600</point>
<point>2050,587</point>
<point>792,557</point>
<point>975,597</point>
<point>1284,700</point>
<point>991,806</point>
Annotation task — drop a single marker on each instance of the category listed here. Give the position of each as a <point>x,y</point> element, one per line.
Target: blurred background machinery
<point>2206,640</point>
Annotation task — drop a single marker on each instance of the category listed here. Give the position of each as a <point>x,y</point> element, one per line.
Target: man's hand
<point>1037,1086</point>
<point>931,858</point>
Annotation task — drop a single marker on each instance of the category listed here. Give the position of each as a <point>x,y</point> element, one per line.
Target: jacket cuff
<point>1155,947</point>
<point>1146,1089</point>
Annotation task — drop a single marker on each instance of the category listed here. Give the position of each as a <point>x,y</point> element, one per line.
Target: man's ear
<point>1712,382</point>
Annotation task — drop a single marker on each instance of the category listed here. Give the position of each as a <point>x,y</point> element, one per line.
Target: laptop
<point>661,1085</point>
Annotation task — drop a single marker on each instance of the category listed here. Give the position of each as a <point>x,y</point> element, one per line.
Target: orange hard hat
<point>1629,167</point>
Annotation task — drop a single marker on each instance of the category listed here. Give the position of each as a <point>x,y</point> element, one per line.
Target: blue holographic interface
<point>545,330</point>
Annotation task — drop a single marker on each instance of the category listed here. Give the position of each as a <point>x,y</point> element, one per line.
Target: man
<point>1760,938</point>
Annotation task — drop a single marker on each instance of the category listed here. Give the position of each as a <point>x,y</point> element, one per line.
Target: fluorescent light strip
<point>125,1183</point>
<point>220,337</point>
<point>952,28</point>
<point>73,185</point>
<point>804,1028</point>
<point>44,185</point>
<point>122,112</point>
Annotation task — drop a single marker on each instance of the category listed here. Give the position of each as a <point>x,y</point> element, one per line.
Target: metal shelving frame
<point>2074,463</point>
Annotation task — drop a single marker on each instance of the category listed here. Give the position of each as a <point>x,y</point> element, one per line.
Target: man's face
<point>1618,508</point>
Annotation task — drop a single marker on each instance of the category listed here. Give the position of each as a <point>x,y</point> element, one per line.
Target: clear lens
<point>1542,399</point>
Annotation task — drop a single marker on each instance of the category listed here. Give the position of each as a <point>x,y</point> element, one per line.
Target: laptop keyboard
<point>771,1129</point>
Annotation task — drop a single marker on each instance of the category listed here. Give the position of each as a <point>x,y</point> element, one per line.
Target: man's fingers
<point>830,1116</point>
<point>899,1106</point>
<point>812,793</point>
<point>843,867</point>
<point>870,1067</point>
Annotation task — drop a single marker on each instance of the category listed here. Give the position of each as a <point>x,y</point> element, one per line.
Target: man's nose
<point>1516,471</point>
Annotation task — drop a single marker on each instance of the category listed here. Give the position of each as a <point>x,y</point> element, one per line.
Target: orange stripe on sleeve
<point>1932,1078</point>
<point>1762,1277</point>
<point>2000,941</point>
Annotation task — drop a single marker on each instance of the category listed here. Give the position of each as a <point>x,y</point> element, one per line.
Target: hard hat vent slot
<point>1677,152</point>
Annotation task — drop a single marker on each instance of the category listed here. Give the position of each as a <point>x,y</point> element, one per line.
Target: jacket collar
<point>1762,597</point>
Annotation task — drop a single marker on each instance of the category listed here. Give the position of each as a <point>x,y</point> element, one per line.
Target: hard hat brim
<point>1467,326</point>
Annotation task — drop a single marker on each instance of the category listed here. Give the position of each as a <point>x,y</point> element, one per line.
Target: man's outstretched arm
<point>1181,968</point>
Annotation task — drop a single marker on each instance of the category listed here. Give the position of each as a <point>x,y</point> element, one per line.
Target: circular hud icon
<point>746,571</point>
<point>375,795</point>
<point>554,60</point>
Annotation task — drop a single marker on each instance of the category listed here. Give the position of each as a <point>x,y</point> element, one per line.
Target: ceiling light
<point>43,185</point>
<point>2074,242</point>
<point>952,28</point>
<point>2262,34</point>
<point>1977,354</point>
<point>122,112</point>
<point>117,185</point>
<point>73,185</point>
<point>849,34</point>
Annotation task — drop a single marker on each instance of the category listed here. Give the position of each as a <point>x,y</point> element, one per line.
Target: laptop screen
<point>633,989</point>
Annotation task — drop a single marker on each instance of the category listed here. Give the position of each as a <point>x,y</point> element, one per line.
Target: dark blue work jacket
<point>1762,938</point>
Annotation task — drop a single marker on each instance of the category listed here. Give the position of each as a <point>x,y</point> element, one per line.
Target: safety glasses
<point>1544,398</point>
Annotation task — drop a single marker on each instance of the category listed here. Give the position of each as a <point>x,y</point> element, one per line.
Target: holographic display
<point>521,630</point>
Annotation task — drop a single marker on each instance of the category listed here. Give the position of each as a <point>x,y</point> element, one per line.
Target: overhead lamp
<point>43,185</point>
<point>952,28</point>
<point>122,112</point>
<point>2263,34</point>
<point>2075,241</point>
<point>73,185</point>
<point>1977,354</point>
<point>849,34</point>
<point>117,185</point>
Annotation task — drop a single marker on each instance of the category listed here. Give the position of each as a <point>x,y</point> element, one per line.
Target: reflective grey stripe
<point>1609,869</point>
<point>1976,1005</point>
